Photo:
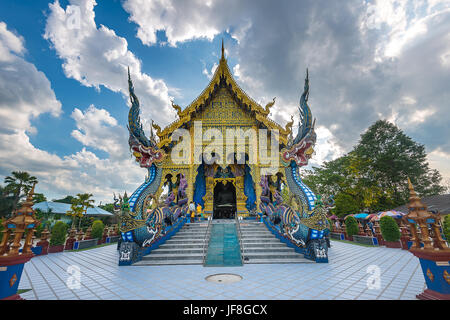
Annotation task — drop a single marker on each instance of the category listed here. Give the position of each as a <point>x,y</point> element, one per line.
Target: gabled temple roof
<point>439,203</point>
<point>223,74</point>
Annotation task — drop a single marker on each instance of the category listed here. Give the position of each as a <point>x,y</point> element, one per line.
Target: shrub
<point>97,229</point>
<point>59,232</point>
<point>351,225</point>
<point>39,230</point>
<point>446,228</point>
<point>389,229</point>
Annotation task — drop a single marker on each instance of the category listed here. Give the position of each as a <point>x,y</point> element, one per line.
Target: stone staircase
<point>185,247</point>
<point>261,246</point>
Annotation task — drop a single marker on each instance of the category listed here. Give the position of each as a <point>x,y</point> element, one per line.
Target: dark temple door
<point>224,201</point>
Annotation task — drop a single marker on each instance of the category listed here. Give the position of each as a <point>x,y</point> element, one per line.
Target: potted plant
<point>351,226</point>
<point>97,230</point>
<point>390,232</point>
<point>58,238</point>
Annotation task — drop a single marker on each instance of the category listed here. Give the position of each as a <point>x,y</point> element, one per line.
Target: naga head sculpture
<point>301,148</point>
<point>145,150</point>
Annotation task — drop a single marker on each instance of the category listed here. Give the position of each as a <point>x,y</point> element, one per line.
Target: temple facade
<point>224,153</point>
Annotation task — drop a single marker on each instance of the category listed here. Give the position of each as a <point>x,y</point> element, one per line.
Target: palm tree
<point>75,210</point>
<point>85,201</point>
<point>6,202</point>
<point>18,182</point>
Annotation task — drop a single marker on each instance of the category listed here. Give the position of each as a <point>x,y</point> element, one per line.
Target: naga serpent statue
<point>141,225</point>
<point>305,227</point>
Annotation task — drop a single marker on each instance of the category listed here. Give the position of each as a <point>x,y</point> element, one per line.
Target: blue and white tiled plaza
<point>350,274</point>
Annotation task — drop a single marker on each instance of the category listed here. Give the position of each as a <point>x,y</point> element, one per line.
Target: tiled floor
<point>348,275</point>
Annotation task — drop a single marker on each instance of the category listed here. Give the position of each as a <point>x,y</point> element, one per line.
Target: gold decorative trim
<point>446,276</point>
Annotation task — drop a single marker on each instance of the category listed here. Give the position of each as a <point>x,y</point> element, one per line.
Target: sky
<point>64,94</point>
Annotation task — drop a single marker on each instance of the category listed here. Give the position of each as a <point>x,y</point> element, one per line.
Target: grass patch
<point>97,246</point>
<point>20,291</point>
<point>355,243</point>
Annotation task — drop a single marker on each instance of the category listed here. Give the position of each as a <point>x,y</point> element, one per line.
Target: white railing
<point>206,240</point>
<point>239,233</point>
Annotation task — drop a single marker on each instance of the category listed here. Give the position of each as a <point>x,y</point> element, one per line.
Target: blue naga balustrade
<point>131,253</point>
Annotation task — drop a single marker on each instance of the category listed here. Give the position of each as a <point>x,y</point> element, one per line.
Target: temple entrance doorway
<point>224,206</point>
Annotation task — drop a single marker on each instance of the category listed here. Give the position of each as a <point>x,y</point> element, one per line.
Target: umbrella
<point>333,217</point>
<point>371,216</point>
<point>392,213</point>
<point>361,215</point>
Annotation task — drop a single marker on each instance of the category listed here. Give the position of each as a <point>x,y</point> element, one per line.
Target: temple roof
<point>222,74</point>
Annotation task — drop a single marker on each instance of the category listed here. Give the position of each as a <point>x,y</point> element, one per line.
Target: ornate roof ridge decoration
<point>222,73</point>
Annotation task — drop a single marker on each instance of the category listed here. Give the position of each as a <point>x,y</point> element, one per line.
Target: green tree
<point>107,207</point>
<point>374,174</point>
<point>39,197</point>
<point>1,228</point>
<point>66,199</point>
<point>345,204</point>
<point>389,229</point>
<point>76,210</point>
<point>85,201</point>
<point>97,229</point>
<point>389,157</point>
<point>6,202</point>
<point>59,232</point>
<point>19,183</point>
<point>351,226</point>
<point>446,228</point>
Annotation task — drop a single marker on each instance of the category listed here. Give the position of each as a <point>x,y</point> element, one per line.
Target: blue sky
<point>180,67</point>
<point>63,89</point>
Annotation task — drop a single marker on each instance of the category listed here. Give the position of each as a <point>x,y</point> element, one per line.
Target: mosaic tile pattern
<point>345,277</point>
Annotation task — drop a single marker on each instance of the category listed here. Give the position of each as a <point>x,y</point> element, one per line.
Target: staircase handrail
<point>238,226</point>
<point>206,239</point>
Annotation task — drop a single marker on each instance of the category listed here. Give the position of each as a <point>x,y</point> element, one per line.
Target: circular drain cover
<point>224,278</point>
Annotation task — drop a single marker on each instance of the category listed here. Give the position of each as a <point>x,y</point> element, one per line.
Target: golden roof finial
<point>26,206</point>
<point>416,207</point>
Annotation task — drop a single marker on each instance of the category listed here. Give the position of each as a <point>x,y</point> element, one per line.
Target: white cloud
<point>405,21</point>
<point>10,44</point>
<point>210,73</point>
<point>98,129</point>
<point>97,56</point>
<point>440,160</point>
<point>25,94</point>
<point>326,148</point>
<point>184,20</point>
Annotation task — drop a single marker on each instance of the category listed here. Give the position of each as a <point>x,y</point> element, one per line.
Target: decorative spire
<point>28,204</point>
<point>415,204</point>
<point>223,52</point>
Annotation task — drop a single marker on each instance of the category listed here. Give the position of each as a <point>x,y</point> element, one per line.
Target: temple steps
<point>261,246</point>
<point>184,248</point>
